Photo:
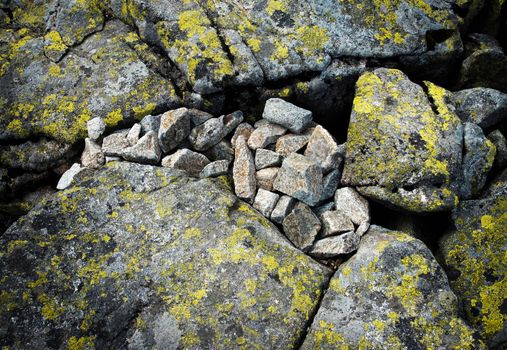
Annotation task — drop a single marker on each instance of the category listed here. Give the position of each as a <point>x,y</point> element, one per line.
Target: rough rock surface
<point>143,257</point>
<point>174,128</point>
<point>474,256</point>
<point>330,247</point>
<point>391,294</point>
<point>292,117</point>
<point>92,156</point>
<point>399,150</point>
<point>482,106</point>
<point>243,171</point>
<point>301,226</point>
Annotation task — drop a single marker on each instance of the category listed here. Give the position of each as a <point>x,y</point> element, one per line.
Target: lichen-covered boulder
<point>474,255</point>
<point>391,294</point>
<point>403,144</point>
<point>142,257</point>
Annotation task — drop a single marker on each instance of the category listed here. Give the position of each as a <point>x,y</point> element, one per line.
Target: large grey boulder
<point>136,256</point>
<point>402,149</point>
<point>483,106</point>
<point>391,294</point>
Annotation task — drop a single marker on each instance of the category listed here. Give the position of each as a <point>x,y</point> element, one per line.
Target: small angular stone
<point>231,121</point>
<point>330,183</point>
<point>322,148</point>
<point>150,123</point>
<point>291,143</point>
<point>220,151</point>
<point>115,144</point>
<point>146,150</point>
<point>337,245</point>
<point>348,201</point>
<point>211,132</point>
<point>244,129</point>
<point>497,138</point>
<point>323,208</point>
<point>301,226</point>
<point>134,134</point>
<point>174,128</point>
<point>265,158</point>
<point>243,171</point>
<point>112,159</point>
<point>483,106</point>
<point>92,156</point>
<point>186,160</point>
<point>301,178</point>
<point>198,117</point>
<point>265,202</point>
<point>292,117</point>
<point>265,135</point>
<point>216,168</point>
<point>266,177</point>
<point>96,128</point>
<point>334,222</point>
<point>283,208</point>
<point>67,178</point>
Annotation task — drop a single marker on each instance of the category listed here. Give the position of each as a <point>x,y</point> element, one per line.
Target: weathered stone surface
<point>68,177</point>
<point>292,117</point>
<point>301,226</point>
<point>134,134</point>
<point>146,150</point>
<point>350,203</point>
<point>174,128</point>
<point>283,207</point>
<point>96,128</point>
<point>222,150</point>
<point>265,158</point>
<point>150,123</point>
<point>333,222</point>
<point>212,131</point>
<point>147,258</point>
<point>198,117</point>
<point>265,135</point>
<point>216,168</point>
<point>92,156</point>
<point>323,208</point>
<point>116,143</point>
<point>243,129</point>
<point>243,171</point>
<point>291,143</point>
<point>498,139</point>
<point>301,178</point>
<point>331,247</point>
<point>479,155</point>
<point>184,159</point>
<point>482,106</point>
<point>474,257</point>
<point>391,294</point>
<point>266,177</point>
<point>400,151</point>
<point>322,148</point>
<point>330,183</point>
<point>265,202</point>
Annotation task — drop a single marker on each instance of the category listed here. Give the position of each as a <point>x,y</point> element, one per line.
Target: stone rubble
<point>184,159</point>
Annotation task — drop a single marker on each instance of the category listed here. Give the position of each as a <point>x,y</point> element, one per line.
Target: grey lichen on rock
<point>133,250</point>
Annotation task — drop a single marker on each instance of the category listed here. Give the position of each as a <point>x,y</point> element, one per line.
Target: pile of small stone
<point>285,165</point>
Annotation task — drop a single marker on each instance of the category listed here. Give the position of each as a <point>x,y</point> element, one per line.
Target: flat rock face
<point>399,150</point>
<point>142,257</point>
<point>474,256</point>
<point>391,294</point>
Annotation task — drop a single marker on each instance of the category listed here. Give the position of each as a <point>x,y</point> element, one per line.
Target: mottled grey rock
<point>220,151</point>
<point>334,222</point>
<point>330,183</point>
<point>352,205</point>
<point>243,171</point>
<point>68,177</point>
<point>265,158</point>
<point>265,135</point>
<point>112,159</point>
<point>473,253</point>
<point>391,293</point>
<point>291,143</point>
<point>198,117</point>
<point>92,156</point>
<point>482,106</point>
<point>134,134</point>
<point>265,202</point>
<point>243,129</point>
<point>116,143</point>
<point>301,226</point>
<point>231,121</point>
<point>150,123</point>
<point>216,168</point>
<point>301,178</point>
<point>283,207</point>
<point>322,148</point>
<point>174,128</point>
<point>212,131</point>
<point>146,150</point>
<point>478,158</point>
<point>402,149</point>
<point>184,159</point>
<point>323,208</point>
<point>498,139</point>
<point>292,117</point>
<point>266,177</point>
<point>96,128</point>
<point>146,256</point>
<point>331,247</point>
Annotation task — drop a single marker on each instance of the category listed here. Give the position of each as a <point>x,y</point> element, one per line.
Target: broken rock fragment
<point>336,245</point>
<point>334,222</point>
<point>265,202</point>
<point>323,149</point>
<point>96,128</point>
<point>266,177</point>
<point>186,160</point>
<point>174,128</point>
<point>115,144</point>
<point>265,158</point>
<point>92,156</point>
<point>352,205</point>
<point>216,168</point>
<point>145,151</point>
<point>67,178</point>
<point>301,226</point>
<point>243,171</point>
<point>265,135</point>
<point>291,143</point>
<point>283,208</point>
<point>292,117</point>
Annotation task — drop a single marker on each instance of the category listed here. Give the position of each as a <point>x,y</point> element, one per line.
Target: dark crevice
<point>434,37</point>
<point>8,12</point>
<point>460,11</point>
